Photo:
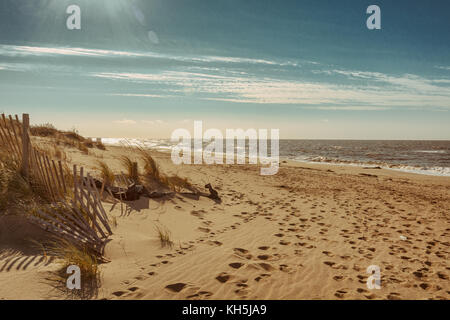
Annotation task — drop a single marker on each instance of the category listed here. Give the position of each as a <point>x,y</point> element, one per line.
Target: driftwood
<point>156,194</point>
<point>132,193</point>
<point>135,191</point>
<point>213,193</point>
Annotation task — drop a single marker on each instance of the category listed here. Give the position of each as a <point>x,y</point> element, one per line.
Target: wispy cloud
<point>154,122</point>
<point>384,91</point>
<point>349,108</point>
<point>18,67</point>
<point>125,122</point>
<point>407,81</point>
<point>216,78</point>
<point>140,95</point>
<point>9,50</point>
<point>12,50</point>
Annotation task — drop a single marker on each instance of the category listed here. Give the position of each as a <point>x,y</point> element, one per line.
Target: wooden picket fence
<point>75,211</point>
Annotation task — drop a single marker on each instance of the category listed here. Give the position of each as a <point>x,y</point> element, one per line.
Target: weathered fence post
<point>134,173</point>
<point>25,145</point>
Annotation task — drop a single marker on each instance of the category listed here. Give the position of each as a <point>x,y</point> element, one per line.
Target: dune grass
<point>71,254</point>
<point>164,235</point>
<point>44,130</point>
<point>100,145</point>
<point>128,165</point>
<point>151,168</point>
<point>67,254</point>
<point>152,172</point>
<point>66,138</point>
<point>106,173</point>
<point>14,190</point>
<point>83,147</point>
<point>17,195</point>
<point>53,151</point>
<point>178,184</point>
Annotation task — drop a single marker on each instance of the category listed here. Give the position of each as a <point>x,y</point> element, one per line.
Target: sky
<point>311,68</point>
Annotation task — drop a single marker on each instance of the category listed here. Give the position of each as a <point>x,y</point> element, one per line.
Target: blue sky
<point>310,68</point>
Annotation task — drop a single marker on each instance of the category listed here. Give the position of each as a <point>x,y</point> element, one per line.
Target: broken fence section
<point>75,211</point>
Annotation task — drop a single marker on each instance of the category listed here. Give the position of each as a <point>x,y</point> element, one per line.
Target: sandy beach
<point>308,232</point>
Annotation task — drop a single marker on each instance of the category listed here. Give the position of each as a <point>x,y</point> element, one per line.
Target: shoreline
<point>356,163</point>
<point>368,166</point>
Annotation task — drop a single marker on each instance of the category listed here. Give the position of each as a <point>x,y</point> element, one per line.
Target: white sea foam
<point>433,171</point>
<point>431,151</point>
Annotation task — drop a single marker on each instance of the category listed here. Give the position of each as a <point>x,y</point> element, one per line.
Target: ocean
<point>418,156</point>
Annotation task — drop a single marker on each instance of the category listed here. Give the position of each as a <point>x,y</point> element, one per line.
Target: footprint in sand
<point>329,263</point>
<point>135,291</point>
<point>214,243</point>
<point>328,253</point>
<point>119,293</point>
<point>223,277</point>
<point>393,296</point>
<point>242,284</point>
<point>424,286</point>
<point>338,278</point>
<point>265,266</point>
<point>242,253</point>
<point>340,293</point>
<point>176,287</point>
<point>285,268</point>
<point>262,276</point>
<point>242,293</point>
<point>200,295</point>
<point>279,235</point>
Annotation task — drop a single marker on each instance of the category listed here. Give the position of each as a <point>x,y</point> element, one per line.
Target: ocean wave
<point>434,171</point>
<point>146,143</point>
<point>430,151</point>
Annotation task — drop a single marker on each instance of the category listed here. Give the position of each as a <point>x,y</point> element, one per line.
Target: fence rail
<point>74,210</point>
